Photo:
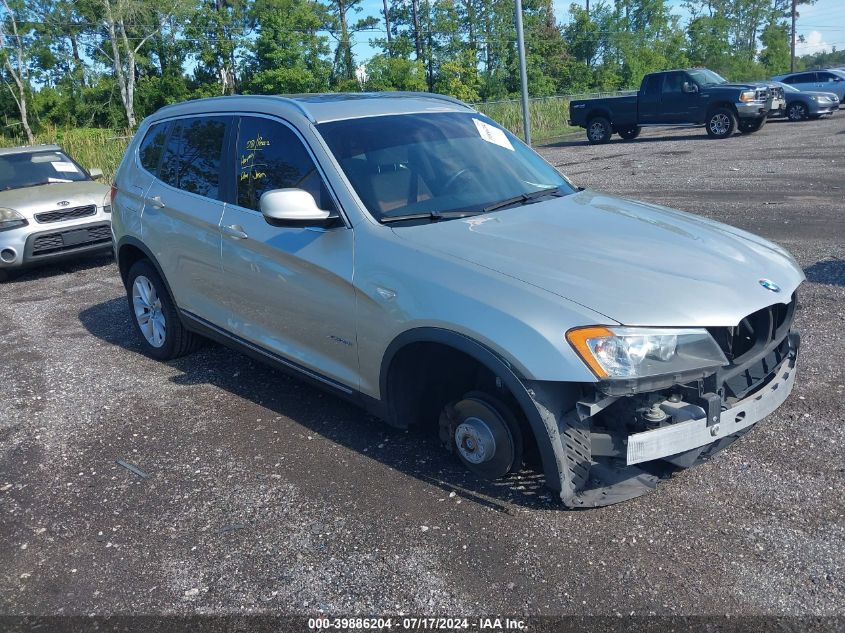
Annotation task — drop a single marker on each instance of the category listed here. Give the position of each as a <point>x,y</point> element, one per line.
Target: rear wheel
<point>749,126</point>
<point>721,123</point>
<point>484,433</point>
<point>154,314</point>
<point>599,130</point>
<point>797,112</point>
<point>630,133</point>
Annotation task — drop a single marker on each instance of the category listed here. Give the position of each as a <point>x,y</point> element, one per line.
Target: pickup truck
<point>691,97</point>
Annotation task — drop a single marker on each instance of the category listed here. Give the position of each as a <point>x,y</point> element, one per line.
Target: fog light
<point>8,255</point>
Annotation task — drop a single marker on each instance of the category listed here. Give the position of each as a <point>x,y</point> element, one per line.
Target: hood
<point>636,263</point>
<point>31,200</point>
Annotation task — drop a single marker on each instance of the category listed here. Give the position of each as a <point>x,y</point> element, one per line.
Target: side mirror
<point>95,173</point>
<point>690,87</point>
<point>292,207</point>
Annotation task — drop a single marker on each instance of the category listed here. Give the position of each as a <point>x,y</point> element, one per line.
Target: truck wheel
<point>749,126</point>
<point>721,123</point>
<point>154,315</point>
<point>484,433</point>
<point>797,112</point>
<point>599,130</point>
<point>630,133</point>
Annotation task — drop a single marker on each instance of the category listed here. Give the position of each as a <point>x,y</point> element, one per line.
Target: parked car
<point>816,81</point>
<point>406,252</point>
<point>691,97</point>
<point>806,105</point>
<point>50,207</point>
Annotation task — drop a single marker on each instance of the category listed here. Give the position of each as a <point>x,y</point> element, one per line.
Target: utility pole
<point>588,7</point>
<point>523,74</point>
<point>387,26</point>
<point>792,47</point>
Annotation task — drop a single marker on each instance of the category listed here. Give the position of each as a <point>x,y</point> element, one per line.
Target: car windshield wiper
<point>433,216</point>
<point>524,198</point>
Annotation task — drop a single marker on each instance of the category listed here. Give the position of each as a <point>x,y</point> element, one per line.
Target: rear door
<point>182,212</point>
<point>648,101</point>
<point>677,105</point>
<point>290,288</point>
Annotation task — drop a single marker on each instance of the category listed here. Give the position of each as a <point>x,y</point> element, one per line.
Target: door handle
<point>156,202</point>
<point>234,230</point>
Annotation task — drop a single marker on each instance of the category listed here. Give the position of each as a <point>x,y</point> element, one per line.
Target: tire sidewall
<point>168,310</point>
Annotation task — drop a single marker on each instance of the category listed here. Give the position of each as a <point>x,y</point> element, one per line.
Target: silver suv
<point>408,253</point>
<point>50,208</point>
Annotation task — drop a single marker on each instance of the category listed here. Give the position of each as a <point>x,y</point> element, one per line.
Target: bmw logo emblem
<point>768,284</point>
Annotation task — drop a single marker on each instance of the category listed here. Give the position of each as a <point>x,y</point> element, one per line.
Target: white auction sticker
<point>64,166</point>
<point>492,134</point>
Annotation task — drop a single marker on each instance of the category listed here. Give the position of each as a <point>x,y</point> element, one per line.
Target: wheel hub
<point>474,440</point>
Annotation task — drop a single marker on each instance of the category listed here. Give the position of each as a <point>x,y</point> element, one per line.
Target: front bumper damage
<point>603,459</point>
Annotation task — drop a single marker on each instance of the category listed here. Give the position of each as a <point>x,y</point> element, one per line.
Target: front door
<point>182,212</point>
<point>291,288</point>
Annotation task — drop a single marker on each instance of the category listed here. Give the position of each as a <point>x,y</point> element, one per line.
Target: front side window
<point>433,163</point>
<point>192,158</point>
<point>828,77</point>
<point>152,146</point>
<point>31,169</point>
<point>270,156</point>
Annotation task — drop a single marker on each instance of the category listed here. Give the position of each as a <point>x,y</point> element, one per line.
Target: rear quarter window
<point>149,152</point>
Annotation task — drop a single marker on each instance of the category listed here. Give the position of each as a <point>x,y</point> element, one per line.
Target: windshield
<point>30,169</point>
<point>786,87</point>
<point>704,77</point>
<point>437,163</point>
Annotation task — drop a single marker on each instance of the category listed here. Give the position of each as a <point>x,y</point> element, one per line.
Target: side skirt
<point>224,337</point>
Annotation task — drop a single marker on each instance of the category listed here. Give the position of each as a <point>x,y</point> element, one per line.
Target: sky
<point>822,24</point>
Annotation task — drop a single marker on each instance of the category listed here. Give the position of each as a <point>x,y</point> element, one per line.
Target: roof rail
<point>299,106</point>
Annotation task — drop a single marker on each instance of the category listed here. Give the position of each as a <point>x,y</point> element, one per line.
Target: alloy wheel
<point>148,311</point>
<point>720,124</point>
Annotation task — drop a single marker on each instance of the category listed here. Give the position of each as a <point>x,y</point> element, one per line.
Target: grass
<point>90,147</point>
<point>548,116</point>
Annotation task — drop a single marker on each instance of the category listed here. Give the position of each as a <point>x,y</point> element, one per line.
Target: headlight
<point>638,352</point>
<point>746,96</point>
<point>817,98</point>
<point>11,219</point>
<point>107,202</point>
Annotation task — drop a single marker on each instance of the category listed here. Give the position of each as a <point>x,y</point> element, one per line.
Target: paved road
<point>264,494</point>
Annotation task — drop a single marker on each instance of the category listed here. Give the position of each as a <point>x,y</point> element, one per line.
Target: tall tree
<point>219,29</point>
<point>341,12</point>
<point>15,38</point>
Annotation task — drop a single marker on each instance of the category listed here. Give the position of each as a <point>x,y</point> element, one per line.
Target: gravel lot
<point>265,495</point>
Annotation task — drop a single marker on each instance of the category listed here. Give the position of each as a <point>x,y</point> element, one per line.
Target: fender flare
<point>128,240</point>
<point>544,427</point>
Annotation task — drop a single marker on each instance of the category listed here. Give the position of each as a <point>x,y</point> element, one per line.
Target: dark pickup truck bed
<point>692,97</point>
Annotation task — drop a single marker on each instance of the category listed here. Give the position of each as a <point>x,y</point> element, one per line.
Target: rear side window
<point>673,83</point>
<point>192,158</point>
<point>152,146</point>
<point>652,85</point>
<point>270,156</point>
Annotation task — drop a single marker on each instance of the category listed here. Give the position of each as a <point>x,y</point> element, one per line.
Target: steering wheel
<point>461,172</point>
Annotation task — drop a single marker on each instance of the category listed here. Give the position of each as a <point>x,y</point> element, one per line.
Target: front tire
<point>484,433</point>
<point>721,123</point>
<point>154,315</point>
<point>630,133</point>
<point>749,126</point>
<point>599,130</point>
<point>797,112</point>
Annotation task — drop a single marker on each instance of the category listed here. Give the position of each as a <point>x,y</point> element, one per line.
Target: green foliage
<point>775,54</point>
<point>394,73</point>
